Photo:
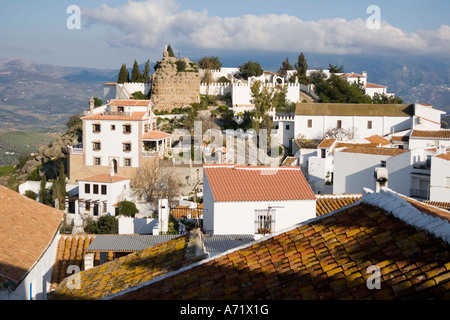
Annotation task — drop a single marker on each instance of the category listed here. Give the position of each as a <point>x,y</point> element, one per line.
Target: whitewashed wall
<point>440,179</point>
<point>128,225</point>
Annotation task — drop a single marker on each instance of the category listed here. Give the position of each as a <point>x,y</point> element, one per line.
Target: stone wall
<point>172,89</point>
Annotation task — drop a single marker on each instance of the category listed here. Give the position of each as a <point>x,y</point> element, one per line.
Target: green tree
<point>250,69</point>
<point>263,99</point>
<point>138,95</point>
<point>384,99</point>
<point>336,69</point>
<point>281,103</point>
<point>43,191</point>
<point>181,65</point>
<point>135,73</point>
<point>302,66</point>
<point>212,63</point>
<point>146,73</point>
<point>337,90</point>
<point>285,66</point>
<point>59,188</point>
<point>127,209</point>
<point>31,194</point>
<point>123,74</point>
<point>170,50</point>
<point>106,224</point>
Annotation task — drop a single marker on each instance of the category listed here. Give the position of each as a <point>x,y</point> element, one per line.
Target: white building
<point>114,90</point>
<point>117,138</point>
<point>314,120</point>
<point>30,235</point>
<point>429,138</point>
<point>99,194</point>
<point>254,200</point>
<point>440,177</point>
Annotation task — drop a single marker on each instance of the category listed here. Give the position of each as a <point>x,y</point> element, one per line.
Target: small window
<point>339,124</point>
<point>309,123</point>
<point>324,153</point>
<point>113,127</point>
<point>127,162</point>
<point>287,127</point>
<point>127,128</point>
<point>127,147</point>
<point>97,161</point>
<point>103,189</point>
<point>87,188</point>
<point>383,163</point>
<point>369,124</point>
<point>87,205</point>
<point>96,146</point>
<point>96,128</point>
<point>95,189</point>
<point>120,109</point>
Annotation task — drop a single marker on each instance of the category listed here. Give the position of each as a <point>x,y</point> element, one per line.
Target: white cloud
<point>155,23</point>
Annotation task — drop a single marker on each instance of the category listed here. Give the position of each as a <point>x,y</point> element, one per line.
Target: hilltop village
<point>207,182</point>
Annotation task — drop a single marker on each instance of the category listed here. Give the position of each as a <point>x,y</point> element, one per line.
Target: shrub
<point>127,208</point>
<point>181,65</point>
<point>31,194</point>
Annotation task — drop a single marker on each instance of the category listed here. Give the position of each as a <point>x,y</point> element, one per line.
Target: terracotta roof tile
<point>155,135</point>
<point>326,258</point>
<point>327,143</point>
<point>444,156</point>
<point>130,103</point>
<point>439,204</point>
<point>375,151</point>
<point>378,140</point>
<point>374,85</point>
<point>327,203</point>
<point>27,228</point>
<point>71,250</point>
<point>439,134</point>
<point>134,116</point>
<point>231,183</point>
<point>106,178</point>
<point>128,271</point>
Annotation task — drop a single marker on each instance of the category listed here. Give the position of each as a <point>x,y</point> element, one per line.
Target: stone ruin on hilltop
<point>174,86</point>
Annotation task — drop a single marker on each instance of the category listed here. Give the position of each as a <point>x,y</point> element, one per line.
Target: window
<point>127,147</point>
<point>127,128</point>
<point>97,161</point>
<point>287,127</point>
<point>120,109</point>
<point>369,124</point>
<point>309,123</point>
<point>383,163</point>
<point>127,162</point>
<point>96,128</point>
<point>339,124</point>
<point>113,127</point>
<point>87,188</point>
<point>95,188</point>
<point>324,153</point>
<point>103,189</point>
<point>87,205</point>
<point>264,221</point>
<point>96,146</point>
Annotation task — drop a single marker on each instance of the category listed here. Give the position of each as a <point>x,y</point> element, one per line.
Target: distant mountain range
<point>42,97</point>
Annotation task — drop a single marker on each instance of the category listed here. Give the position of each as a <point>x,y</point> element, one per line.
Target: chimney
<point>91,104</point>
<point>364,73</point>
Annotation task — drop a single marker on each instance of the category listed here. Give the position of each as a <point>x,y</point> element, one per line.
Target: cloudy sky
<point>119,31</point>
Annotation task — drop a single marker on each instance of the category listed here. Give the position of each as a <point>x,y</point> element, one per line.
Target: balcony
<point>150,154</point>
<point>419,193</point>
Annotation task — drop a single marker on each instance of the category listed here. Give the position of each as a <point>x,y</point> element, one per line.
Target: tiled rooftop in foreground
<point>323,258</point>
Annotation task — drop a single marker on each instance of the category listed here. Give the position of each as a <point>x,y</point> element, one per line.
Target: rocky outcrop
<point>49,157</point>
<point>172,88</point>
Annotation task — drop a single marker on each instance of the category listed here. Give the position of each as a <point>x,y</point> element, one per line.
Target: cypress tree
<point>123,74</point>
<point>302,66</point>
<point>146,73</point>
<point>169,49</point>
<point>135,73</point>
<point>43,190</point>
<point>59,187</point>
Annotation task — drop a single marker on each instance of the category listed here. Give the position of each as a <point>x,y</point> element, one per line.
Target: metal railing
<point>419,193</point>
